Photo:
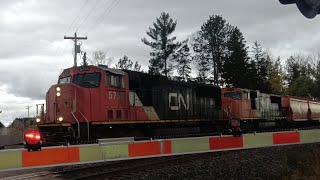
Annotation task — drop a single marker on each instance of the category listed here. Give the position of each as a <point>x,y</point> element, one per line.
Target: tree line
<point>219,55</point>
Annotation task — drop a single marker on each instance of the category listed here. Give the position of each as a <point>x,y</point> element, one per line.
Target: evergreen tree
<point>303,86</point>
<point>203,67</point>
<point>212,44</point>
<point>155,66</point>
<point>84,59</point>
<point>253,74</point>
<point>236,66</point>
<point>276,78</point>
<point>293,70</point>
<point>301,76</point>
<point>263,64</point>
<point>161,43</point>
<point>128,64</point>
<point>316,91</point>
<point>124,63</point>
<point>183,60</point>
<point>1,125</point>
<point>137,67</point>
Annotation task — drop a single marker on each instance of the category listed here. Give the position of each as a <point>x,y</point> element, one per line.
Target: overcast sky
<point>33,52</point>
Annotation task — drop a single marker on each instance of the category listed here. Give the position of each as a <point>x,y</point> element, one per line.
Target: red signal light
<point>32,137</point>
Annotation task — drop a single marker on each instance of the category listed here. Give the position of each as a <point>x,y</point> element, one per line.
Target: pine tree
<point>293,69</point>
<point>161,44</point>
<point>137,67</point>
<point>303,86</point>
<point>263,64</point>
<point>253,74</point>
<point>124,63</point>
<point>128,64</point>
<point>212,43</point>
<point>236,66</point>
<point>317,81</point>
<point>84,59</point>
<point>183,60</point>
<point>276,78</point>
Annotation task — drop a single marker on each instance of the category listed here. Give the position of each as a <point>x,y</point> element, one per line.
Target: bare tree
<point>99,57</point>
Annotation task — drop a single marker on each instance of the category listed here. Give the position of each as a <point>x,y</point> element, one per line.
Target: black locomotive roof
<point>149,80</point>
<point>114,71</point>
<point>139,81</point>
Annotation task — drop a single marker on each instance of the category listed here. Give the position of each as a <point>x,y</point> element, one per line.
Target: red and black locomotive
<point>91,102</point>
<point>96,101</point>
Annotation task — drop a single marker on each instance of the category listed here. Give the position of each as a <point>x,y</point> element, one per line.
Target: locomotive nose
<point>59,103</point>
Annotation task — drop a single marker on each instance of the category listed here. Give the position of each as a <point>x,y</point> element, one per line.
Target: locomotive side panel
<point>173,103</point>
<point>173,100</point>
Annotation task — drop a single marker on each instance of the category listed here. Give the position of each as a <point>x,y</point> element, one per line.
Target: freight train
<point>91,102</point>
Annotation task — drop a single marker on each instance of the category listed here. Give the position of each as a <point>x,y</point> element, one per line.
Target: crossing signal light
<point>309,8</point>
<point>32,138</point>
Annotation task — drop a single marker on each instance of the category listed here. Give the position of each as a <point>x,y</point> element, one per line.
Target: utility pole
<point>28,108</point>
<point>76,46</point>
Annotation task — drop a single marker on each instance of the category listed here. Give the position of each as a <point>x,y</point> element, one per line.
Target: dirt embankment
<point>303,163</point>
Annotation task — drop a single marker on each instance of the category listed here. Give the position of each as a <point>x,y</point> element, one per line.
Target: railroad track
<point>181,136</point>
<point>124,169</point>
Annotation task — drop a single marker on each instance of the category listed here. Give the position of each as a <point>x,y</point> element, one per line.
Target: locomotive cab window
<point>91,80</point>
<point>246,95</point>
<point>116,81</point>
<point>233,95</point>
<point>64,80</point>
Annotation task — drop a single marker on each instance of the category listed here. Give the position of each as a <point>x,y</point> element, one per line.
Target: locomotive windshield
<point>233,95</point>
<point>64,80</point>
<point>91,80</point>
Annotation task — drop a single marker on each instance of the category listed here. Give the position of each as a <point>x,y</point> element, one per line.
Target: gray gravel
<point>286,162</point>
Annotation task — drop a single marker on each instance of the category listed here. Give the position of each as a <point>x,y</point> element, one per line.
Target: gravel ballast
<point>278,162</point>
<point>284,162</point>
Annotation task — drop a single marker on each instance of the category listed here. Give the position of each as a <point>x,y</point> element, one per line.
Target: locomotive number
<point>112,95</point>
<point>116,95</point>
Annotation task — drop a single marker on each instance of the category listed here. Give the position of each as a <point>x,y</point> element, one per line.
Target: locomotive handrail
<point>88,128</point>
<point>77,123</point>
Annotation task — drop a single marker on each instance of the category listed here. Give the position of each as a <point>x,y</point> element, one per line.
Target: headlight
<point>38,120</point>
<point>58,94</point>
<point>58,89</point>
<point>60,119</point>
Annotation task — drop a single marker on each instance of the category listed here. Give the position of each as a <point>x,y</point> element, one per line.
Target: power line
<point>86,1</point>
<point>90,12</point>
<point>67,30</point>
<point>106,12</point>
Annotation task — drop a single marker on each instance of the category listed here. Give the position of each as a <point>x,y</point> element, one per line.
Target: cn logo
<point>176,100</point>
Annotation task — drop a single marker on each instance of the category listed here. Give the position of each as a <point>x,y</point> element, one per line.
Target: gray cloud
<point>33,51</point>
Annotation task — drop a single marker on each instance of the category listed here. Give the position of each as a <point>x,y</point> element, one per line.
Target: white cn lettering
<point>180,100</point>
